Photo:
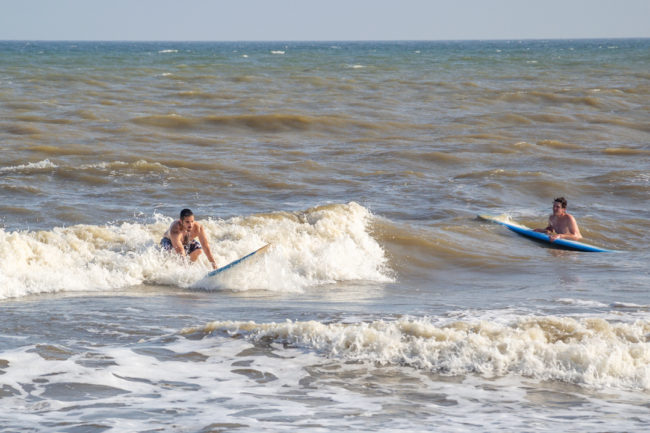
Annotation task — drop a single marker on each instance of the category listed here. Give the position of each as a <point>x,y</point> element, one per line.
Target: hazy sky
<point>321,19</point>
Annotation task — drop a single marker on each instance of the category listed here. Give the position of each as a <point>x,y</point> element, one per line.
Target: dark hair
<point>562,201</point>
<point>186,213</point>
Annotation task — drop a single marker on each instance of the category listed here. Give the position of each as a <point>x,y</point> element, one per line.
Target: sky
<point>315,20</point>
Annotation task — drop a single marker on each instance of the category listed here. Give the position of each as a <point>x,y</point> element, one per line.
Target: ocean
<point>383,303</point>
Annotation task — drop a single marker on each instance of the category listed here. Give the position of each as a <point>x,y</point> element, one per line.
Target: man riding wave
<point>181,237</point>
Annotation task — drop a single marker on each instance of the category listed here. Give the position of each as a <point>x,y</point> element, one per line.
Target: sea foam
<point>32,166</point>
<point>588,352</point>
<point>317,246</point>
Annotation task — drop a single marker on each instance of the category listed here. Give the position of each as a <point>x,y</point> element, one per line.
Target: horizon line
<point>332,40</point>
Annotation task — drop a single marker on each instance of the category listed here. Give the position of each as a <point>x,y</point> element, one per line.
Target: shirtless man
<point>181,237</point>
<point>561,225</point>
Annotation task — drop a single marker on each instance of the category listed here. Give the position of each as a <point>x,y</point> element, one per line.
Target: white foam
<point>630,305</point>
<point>318,246</point>
<point>278,375</point>
<point>167,51</point>
<point>115,165</point>
<point>45,164</point>
<point>581,302</point>
<point>169,392</point>
<point>587,352</point>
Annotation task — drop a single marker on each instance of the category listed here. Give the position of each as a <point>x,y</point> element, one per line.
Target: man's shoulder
<point>571,217</point>
<point>198,227</point>
<point>175,227</point>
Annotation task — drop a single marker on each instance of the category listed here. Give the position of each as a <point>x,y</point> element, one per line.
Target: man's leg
<point>195,254</point>
<point>194,250</point>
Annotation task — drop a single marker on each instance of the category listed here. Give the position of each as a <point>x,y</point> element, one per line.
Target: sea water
<point>383,303</point>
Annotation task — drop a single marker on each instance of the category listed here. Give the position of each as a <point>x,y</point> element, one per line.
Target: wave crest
<point>317,246</point>
<point>274,122</point>
<point>588,352</point>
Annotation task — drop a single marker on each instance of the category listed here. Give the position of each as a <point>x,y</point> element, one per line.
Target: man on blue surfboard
<point>181,237</point>
<point>561,225</point>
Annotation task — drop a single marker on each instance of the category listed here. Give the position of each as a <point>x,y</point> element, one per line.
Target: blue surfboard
<point>544,238</point>
<point>236,262</point>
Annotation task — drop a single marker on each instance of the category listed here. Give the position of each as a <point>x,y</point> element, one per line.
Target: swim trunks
<point>166,244</point>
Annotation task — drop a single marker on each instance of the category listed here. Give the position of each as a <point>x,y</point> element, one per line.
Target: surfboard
<point>544,238</point>
<point>238,261</point>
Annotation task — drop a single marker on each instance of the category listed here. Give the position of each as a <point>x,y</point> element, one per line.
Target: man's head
<point>559,205</point>
<point>187,219</point>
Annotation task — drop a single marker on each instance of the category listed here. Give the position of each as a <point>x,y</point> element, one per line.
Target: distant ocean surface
<point>384,303</point>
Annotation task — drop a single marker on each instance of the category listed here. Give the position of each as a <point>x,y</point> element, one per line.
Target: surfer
<point>181,237</point>
<point>561,225</point>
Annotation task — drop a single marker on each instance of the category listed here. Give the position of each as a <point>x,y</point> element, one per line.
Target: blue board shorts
<point>166,244</point>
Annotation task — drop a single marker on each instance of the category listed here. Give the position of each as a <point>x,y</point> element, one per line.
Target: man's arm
<point>548,228</point>
<point>176,236</point>
<point>206,247</point>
